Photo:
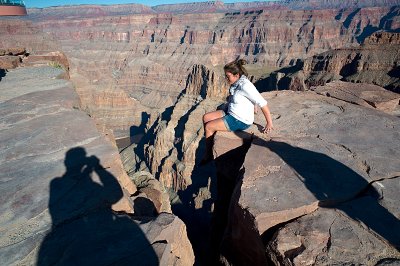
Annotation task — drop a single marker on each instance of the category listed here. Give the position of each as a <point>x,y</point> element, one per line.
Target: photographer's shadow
<point>85,230</point>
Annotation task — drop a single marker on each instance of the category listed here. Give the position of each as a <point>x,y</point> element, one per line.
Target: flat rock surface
<point>323,153</point>
<point>60,181</point>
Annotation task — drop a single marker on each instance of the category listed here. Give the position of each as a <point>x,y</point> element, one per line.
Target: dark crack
<point>367,167</point>
<point>160,242</point>
<point>346,148</point>
<point>329,242</point>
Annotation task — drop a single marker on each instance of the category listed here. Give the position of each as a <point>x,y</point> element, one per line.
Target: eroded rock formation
<point>374,62</point>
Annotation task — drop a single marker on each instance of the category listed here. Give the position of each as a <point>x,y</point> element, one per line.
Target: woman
<point>243,96</point>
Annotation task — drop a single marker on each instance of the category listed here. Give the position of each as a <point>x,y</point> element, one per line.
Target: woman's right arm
<point>267,114</point>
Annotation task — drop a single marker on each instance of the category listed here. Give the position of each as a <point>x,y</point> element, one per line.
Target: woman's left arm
<point>267,114</point>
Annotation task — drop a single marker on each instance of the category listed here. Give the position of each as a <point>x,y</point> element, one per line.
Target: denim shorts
<point>232,124</point>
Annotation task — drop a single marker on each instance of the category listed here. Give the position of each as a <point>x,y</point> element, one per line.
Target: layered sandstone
<point>317,190</point>
<point>57,59</point>
<point>337,4</point>
<point>24,33</point>
<point>200,7</point>
<point>79,11</point>
<point>373,62</point>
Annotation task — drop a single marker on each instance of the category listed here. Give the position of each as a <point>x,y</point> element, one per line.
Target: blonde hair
<point>236,67</point>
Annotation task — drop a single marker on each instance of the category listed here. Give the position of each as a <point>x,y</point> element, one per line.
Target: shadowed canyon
<point>101,133</point>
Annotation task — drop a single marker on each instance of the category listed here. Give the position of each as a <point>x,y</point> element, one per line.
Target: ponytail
<point>236,67</point>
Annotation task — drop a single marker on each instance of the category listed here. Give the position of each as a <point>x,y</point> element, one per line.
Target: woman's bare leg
<point>213,126</point>
<point>212,116</point>
<point>209,130</point>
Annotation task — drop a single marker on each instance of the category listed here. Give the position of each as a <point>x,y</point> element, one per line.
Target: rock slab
<point>321,181</point>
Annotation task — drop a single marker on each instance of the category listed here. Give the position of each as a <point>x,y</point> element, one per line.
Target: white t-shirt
<point>243,97</point>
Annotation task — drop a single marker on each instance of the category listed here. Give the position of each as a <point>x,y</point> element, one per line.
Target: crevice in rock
<point>195,209</point>
<point>329,242</point>
<point>148,138</point>
<point>179,130</point>
<point>229,171</point>
<point>367,167</point>
<point>163,160</point>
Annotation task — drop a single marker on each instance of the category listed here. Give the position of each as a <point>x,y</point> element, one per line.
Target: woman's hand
<point>267,129</point>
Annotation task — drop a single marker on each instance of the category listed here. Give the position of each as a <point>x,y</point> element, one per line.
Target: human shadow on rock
<point>85,230</point>
<point>335,185</point>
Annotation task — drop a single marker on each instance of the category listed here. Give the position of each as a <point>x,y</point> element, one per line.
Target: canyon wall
<point>374,62</point>
<point>201,7</point>
<point>143,61</point>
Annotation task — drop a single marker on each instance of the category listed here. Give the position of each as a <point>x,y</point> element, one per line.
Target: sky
<point>47,3</point>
